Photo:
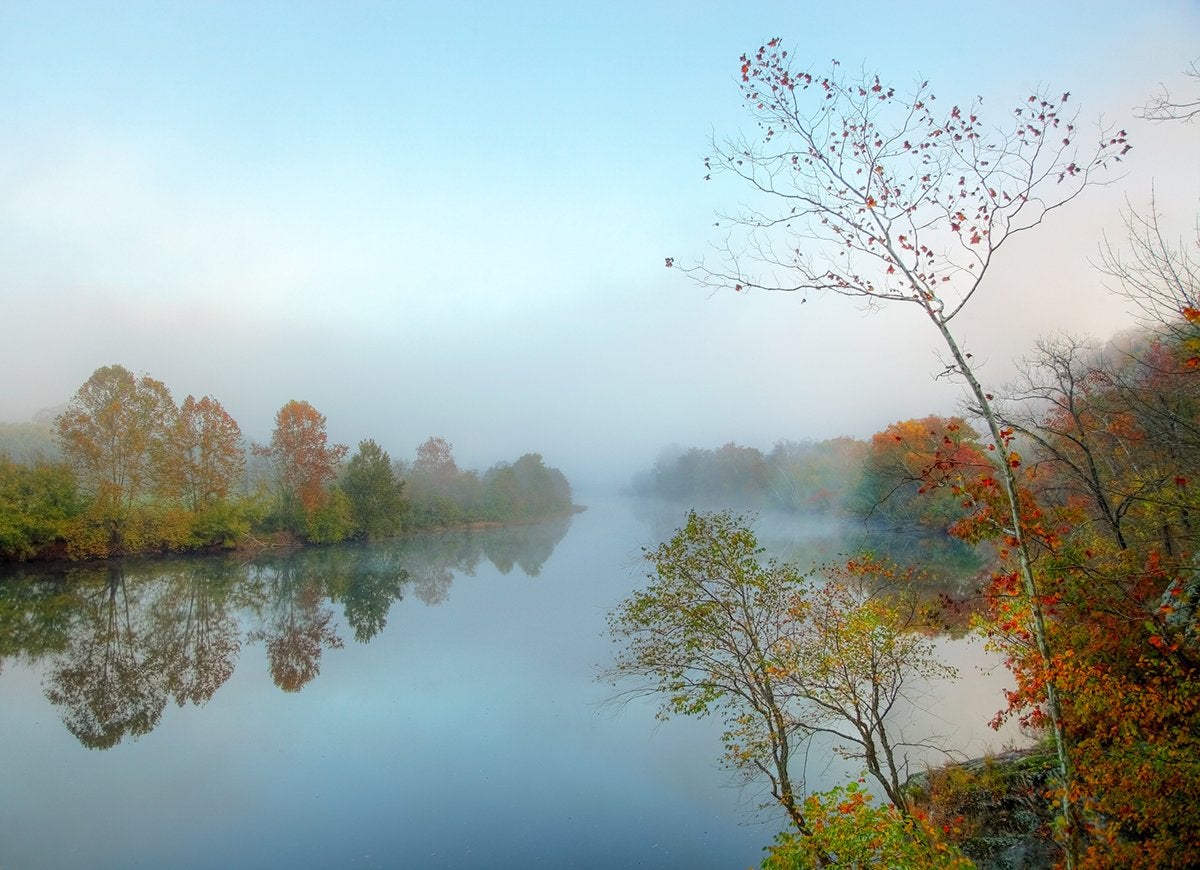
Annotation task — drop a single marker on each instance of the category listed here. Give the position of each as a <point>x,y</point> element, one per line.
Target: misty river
<point>425,702</point>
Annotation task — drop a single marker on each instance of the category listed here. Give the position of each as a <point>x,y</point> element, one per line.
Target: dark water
<point>424,703</point>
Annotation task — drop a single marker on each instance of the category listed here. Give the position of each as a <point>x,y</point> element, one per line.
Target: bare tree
<point>1158,274</point>
<point>1163,107</point>
<point>1054,402</point>
<point>876,194</point>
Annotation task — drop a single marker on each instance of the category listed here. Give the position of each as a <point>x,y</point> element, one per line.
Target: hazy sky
<point>453,221</point>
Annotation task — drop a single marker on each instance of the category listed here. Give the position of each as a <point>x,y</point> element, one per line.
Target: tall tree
<point>435,457</point>
<point>205,459</point>
<point>438,491</point>
<point>304,460</point>
<point>781,656</point>
<point>376,500</point>
<point>875,193</point>
<point>707,634</point>
<point>113,432</point>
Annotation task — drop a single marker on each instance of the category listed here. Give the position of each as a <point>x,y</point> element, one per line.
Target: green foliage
<point>778,655</point>
<point>36,505</point>
<point>525,489</point>
<point>849,831</point>
<point>330,521</point>
<point>814,476</point>
<point>141,475</point>
<point>376,500</point>
<point>795,476</point>
<point>224,523</point>
<point>707,635</point>
<point>442,495</point>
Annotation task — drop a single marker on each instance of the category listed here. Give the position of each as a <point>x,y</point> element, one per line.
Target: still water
<point>424,703</point>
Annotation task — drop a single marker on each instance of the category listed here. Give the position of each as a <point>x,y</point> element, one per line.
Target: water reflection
<point>118,642</point>
<point>949,566</point>
<point>296,627</point>
<point>109,681</point>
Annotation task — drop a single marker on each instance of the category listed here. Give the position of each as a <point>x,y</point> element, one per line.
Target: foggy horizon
<point>454,222</point>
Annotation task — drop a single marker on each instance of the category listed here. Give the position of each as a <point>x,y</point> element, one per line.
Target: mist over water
<point>426,702</point>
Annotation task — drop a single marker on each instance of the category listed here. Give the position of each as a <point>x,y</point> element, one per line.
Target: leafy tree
<point>114,435</point>
<point>304,461</point>
<point>545,490</point>
<point>502,493</point>
<point>911,473</point>
<point>730,474</point>
<point>875,193</point>
<point>779,656</point>
<point>814,475</point>
<point>439,493</point>
<point>707,634</point>
<point>376,496</point>
<point>204,457</point>
<point>435,457</point>
<point>331,520</point>
<point>113,432</point>
<point>794,476</point>
<point>525,489</point>
<point>851,657</point>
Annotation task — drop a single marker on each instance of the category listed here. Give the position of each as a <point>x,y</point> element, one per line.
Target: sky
<point>451,219</point>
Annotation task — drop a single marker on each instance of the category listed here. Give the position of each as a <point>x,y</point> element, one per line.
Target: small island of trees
<point>125,470</point>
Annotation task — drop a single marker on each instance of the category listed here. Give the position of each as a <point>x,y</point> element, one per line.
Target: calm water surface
<point>424,703</point>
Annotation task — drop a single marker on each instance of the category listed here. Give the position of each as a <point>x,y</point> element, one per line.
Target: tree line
<point>880,481</point>
<point>128,471</point>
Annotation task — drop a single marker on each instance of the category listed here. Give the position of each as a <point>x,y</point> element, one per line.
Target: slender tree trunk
<point>1029,581</point>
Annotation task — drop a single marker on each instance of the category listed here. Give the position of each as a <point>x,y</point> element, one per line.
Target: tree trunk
<point>1029,581</point>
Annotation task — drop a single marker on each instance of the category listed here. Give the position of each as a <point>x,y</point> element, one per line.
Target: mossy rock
<point>997,809</point>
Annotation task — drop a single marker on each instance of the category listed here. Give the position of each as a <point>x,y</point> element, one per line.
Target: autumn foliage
<point>140,474</point>
<point>1082,482</point>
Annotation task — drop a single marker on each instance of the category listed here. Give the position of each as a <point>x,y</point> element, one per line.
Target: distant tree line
<point>124,470</point>
<point>884,480</point>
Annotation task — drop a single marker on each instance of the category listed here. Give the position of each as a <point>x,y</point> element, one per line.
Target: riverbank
<point>55,557</point>
<point>994,808</point>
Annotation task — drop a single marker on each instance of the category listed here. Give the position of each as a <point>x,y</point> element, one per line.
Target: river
<point>430,702</point>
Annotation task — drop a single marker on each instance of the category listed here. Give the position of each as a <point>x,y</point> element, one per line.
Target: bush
<point>849,830</point>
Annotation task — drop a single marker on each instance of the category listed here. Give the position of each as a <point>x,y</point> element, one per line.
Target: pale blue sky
<point>452,220</point>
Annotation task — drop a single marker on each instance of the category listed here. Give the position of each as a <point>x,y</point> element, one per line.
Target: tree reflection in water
<point>200,635</point>
<point>297,630</point>
<point>108,680</point>
<point>119,641</point>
